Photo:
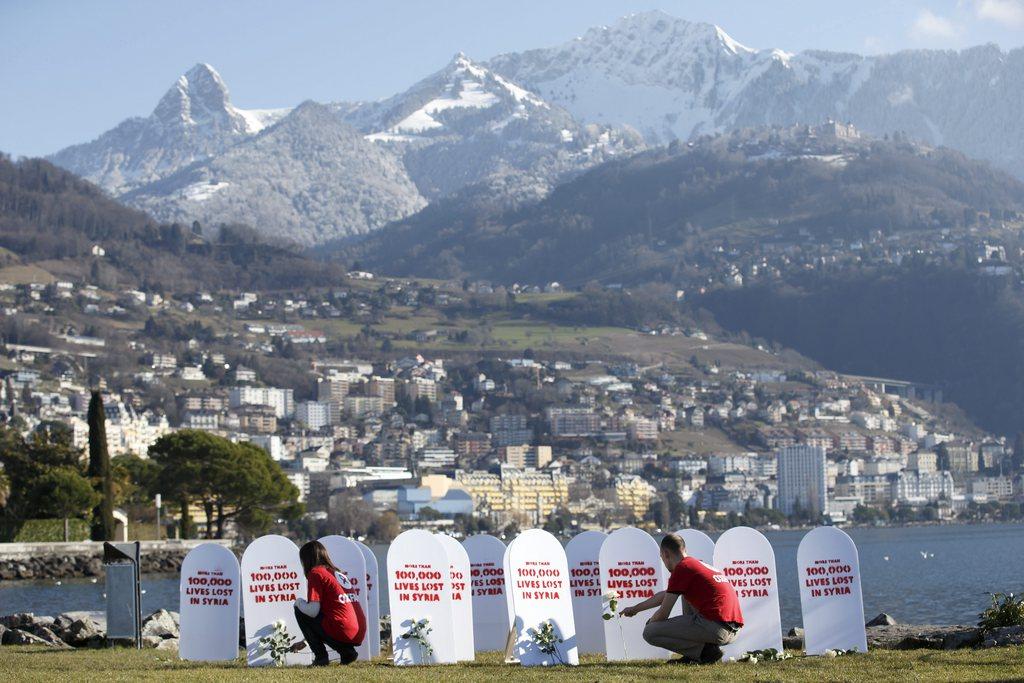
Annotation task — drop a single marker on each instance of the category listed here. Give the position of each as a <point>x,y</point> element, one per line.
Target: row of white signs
<point>474,594</point>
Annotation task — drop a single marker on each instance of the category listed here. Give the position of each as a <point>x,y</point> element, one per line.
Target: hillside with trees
<point>645,217</point>
<point>52,218</point>
<point>941,325</point>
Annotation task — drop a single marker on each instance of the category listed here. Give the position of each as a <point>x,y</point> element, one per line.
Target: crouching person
<point>330,616</point>
<point>711,612</point>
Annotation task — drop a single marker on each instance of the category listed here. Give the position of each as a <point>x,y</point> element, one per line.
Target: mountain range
<point>513,128</point>
<point>671,78</point>
<point>323,172</point>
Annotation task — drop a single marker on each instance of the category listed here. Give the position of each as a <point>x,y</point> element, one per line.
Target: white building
<point>917,488</point>
<point>206,420</point>
<point>281,400</point>
<point>436,457</point>
<point>314,414</point>
<point>301,480</point>
<point>994,488</point>
<point>271,443</point>
<point>801,473</point>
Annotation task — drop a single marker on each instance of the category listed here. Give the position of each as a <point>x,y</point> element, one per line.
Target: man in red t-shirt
<point>711,612</point>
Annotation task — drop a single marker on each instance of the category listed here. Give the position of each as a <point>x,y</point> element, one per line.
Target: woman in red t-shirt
<point>331,614</point>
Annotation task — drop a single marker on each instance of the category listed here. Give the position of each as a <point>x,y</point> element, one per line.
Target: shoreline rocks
<point>84,566</point>
<point>72,630</point>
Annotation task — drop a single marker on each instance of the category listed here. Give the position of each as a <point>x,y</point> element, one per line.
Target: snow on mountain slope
<point>194,120</point>
<point>462,85</point>
<point>309,179</point>
<point>670,78</point>
<point>465,123</point>
<point>665,77</point>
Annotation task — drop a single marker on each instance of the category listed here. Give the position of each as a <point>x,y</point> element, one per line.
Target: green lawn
<point>41,664</point>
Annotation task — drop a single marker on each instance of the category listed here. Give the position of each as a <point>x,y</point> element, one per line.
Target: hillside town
<point>442,437</point>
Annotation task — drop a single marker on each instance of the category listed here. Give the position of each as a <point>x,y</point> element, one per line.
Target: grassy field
<point>41,664</point>
<point>25,274</point>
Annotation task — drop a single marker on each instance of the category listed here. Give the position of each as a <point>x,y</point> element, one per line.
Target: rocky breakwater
<point>74,566</point>
<point>28,561</point>
<point>160,630</point>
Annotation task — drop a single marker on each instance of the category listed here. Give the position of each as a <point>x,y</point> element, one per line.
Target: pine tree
<point>99,471</point>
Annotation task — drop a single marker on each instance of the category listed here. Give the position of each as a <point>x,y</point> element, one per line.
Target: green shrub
<point>1005,610</point>
<point>51,530</point>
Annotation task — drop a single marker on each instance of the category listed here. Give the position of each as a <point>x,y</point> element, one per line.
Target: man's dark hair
<point>673,543</point>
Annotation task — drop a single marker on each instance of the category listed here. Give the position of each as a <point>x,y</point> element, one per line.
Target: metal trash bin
<point>124,597</point>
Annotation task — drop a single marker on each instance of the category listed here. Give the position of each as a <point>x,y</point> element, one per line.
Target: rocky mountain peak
<point>198,96</point>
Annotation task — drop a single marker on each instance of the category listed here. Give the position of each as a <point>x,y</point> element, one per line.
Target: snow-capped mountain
<point>309,179</point>
<point>466,123</point>
<point>324,172</point>
<point>193,121</point>
<point>513,127</point>
<point>670,78</point>
<point>442,103</point>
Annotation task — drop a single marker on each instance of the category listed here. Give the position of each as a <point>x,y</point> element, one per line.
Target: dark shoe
<point>710,654</point>
<point>682,660</point>
<point>321,662</point>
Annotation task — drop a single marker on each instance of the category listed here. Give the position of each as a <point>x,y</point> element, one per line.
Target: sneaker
<point>710,654</point>
<point>682,660</point>
<point>321,662</point>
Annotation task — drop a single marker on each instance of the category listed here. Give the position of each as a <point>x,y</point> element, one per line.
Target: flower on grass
<point>418,632</point>
<point>277,643</point>
<point>547,640</point>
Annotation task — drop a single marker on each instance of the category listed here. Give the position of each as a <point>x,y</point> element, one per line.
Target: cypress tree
<point>99,471</point>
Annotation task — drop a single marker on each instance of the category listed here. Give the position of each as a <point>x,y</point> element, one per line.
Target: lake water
<point>948,588</point>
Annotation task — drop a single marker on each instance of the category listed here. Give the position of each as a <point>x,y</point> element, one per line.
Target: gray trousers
<point>688,633</point>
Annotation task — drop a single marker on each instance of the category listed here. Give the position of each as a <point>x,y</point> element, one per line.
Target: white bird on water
<point>57,583</point>
<point>924,555</point>
<point>885,557</point>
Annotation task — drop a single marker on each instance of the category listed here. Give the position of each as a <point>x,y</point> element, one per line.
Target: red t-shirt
<point>706,589</point>
<point>343,617</point>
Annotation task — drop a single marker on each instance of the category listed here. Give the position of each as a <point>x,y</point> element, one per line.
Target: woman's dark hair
<point>313,555</point>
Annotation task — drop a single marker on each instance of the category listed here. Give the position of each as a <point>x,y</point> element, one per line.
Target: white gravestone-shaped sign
<point>272,578</point>
<point>347,557</point>
<point>372,599</point>
<point>419,587</point>
<point>746,558</point>
<point>631,566</point>
<point>462,600</point>
<point>582,553</point>
<point>830,594</point>
<point>508,589</point>
<point>698,545</point>
<point>487,582</point>
<point>538,583</point>
<point>210,586</point>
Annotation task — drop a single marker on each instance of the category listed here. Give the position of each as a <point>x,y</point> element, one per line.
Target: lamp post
<point>159,504</point>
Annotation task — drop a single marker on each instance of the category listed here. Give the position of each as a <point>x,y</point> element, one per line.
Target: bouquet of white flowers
<point>418,632</point>
<point>277,643</point>
<point>547,641</point>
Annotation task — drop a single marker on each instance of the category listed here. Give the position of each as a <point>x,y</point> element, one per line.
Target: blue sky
<point>70,69</point>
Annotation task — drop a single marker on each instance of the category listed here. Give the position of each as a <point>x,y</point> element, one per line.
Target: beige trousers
<point>688,633</point>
